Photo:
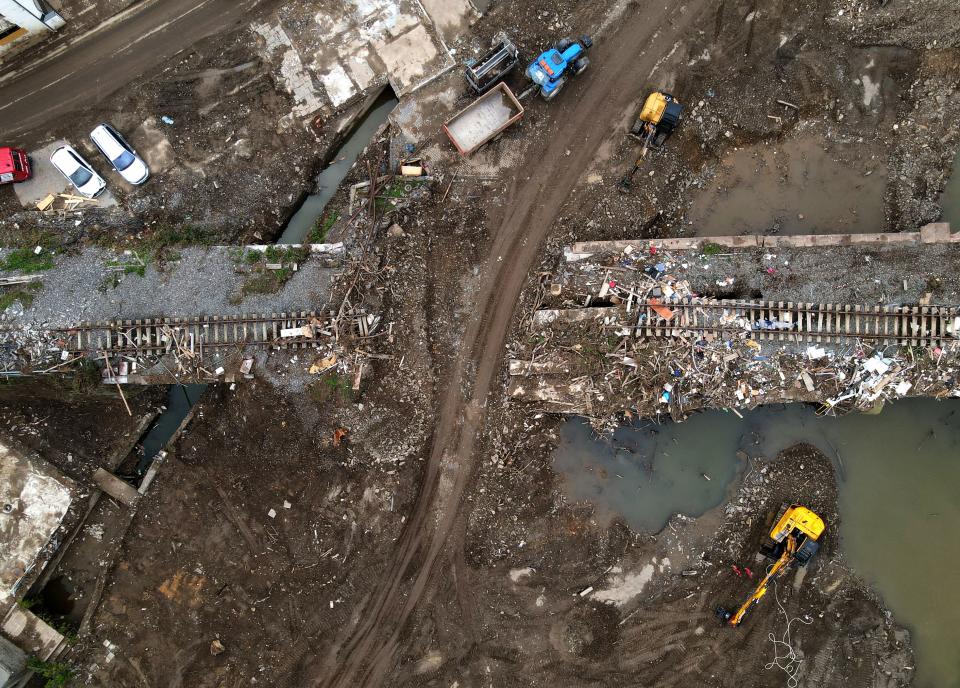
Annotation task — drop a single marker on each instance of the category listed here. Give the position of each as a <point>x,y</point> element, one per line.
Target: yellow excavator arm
<point>798,531</point>
<point>779,567</point>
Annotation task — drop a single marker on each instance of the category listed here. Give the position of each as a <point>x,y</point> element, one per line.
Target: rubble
<point>588,348</point>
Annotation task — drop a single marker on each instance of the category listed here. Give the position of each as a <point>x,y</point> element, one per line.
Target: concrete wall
<point>935,233</point>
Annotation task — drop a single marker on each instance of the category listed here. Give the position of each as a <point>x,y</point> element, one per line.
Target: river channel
<point>328,181</point>
<point>898,474</point>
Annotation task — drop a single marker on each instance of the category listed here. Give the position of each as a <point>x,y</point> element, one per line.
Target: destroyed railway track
<point>161,335</point>
<point>799,322</point>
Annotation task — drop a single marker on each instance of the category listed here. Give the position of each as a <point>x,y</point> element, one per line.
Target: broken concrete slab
<point>35,498</point>
<point>32,634</point>
<point>451,17</point>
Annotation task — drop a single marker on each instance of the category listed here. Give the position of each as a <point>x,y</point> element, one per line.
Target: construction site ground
<point>431,544</point>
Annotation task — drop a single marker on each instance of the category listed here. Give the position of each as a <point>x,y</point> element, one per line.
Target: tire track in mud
<point>366,655</point>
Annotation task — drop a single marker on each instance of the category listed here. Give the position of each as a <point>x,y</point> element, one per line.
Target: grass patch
<point>26,261</point>
<point>711,249</point>
<point>321,228</point>
<point>387,198</point>
<point>24,294</point>
<point>30,237</point>
<point>333,387</point>
<point>281,254</point>
<point>57,674</point>
<point>138,268</point>
<point>160,243</point>
<point>264,281</point>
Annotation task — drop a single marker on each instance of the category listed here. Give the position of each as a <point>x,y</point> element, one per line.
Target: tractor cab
<point>551,70</point>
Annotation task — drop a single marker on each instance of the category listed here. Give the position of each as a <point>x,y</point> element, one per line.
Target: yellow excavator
<point>659,116</point>
<point>795,539</point>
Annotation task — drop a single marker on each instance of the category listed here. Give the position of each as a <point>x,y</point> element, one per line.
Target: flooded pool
<point>802,186</point>
<point>950,200</point>
<point>899,476</point>
<point>300,225</point>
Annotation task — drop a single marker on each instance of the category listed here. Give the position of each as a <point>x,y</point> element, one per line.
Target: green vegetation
<point>138,266</point>
<point>711,249</point>
<point>24,294</point>
<point>29,237</point>
<point>26,261</point>
<point>386,199</point>
<point>159,243</point>
<point>322,227</point>
<point>334,386</point>
<point>262,280</point>
<point>56,674</point>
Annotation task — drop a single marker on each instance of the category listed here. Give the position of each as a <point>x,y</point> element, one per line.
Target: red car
<point>14,165</point>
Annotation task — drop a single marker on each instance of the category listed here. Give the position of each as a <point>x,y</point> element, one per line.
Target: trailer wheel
<point>564,43</point>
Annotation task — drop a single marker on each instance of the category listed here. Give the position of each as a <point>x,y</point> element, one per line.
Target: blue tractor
<point>555,66</point>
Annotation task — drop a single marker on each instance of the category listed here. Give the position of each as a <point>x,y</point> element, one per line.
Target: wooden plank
<point>123,492</point>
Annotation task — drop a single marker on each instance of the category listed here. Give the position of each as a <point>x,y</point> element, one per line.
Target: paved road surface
<point>71,77</point>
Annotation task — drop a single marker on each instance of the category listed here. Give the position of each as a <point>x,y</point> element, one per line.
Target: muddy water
<point>180,399</point>
<point>795,187</point>
<point>898,472</point>
<point>298,228</point>
<point>950,200</point>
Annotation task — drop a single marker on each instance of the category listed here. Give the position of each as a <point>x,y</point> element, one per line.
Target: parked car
<point>72,166</point>
<point>121,155</point>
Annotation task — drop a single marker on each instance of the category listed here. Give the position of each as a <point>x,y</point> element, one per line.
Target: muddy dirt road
<point>96,66</point>
<point>621,63</point>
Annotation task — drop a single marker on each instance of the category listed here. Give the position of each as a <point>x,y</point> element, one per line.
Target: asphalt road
<point>74,75</point>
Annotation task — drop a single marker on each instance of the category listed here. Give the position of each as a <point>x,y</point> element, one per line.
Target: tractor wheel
<point>564,43</point>
<point>553,94</point>
<point>581,64</point>
<point>586,42</point>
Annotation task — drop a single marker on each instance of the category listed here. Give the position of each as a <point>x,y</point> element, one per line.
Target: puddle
<point>950,200</point>
<point>648,473</point>
<point>180,399</point>
<point>897,496</point>
<point>57,597</point>
<point>298,228</point>
<point>766,189</point>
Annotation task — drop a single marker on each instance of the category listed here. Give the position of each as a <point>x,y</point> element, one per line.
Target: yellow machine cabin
<point>794,540</point>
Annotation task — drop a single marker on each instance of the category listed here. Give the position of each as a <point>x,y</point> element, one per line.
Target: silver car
<point>121,155</point>
<point>78,171</point>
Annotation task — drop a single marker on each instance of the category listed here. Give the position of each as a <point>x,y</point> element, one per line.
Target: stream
<point>899,469</point>
<point>950,200</point>
<point>180,399</point>
<point>299,227</point>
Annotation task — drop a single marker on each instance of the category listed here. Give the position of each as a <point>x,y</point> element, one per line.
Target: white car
<point>72,166</point>
<point>120,154</point>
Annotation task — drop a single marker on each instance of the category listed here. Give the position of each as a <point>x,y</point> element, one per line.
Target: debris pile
<point>641,331</point>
